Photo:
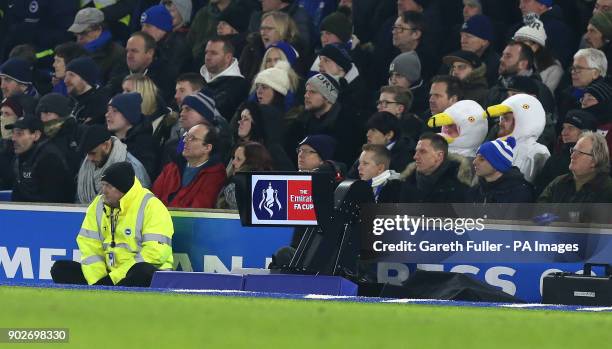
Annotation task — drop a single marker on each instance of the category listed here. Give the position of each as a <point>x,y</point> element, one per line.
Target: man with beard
<point>561,39</point>
<point>523,117</point>
<point>16,78</point>
<point>517,60</point>
<point>324,114</point>
<point>102,151</point>
<point>53,109</point>
<point>89,100</point>
<point>599,33</point>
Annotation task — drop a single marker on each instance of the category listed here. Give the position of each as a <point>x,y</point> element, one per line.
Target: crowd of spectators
<point>426,100</point>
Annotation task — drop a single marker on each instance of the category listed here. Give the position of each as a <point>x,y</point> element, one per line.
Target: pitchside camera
<point>312,201</point>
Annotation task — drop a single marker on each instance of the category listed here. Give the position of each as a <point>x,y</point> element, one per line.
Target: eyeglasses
<point>384,104</point>
<point>190,138</point>
<point>578,69</point>
<point>574,150</point>
<point>304,151</point>
<point>400,29</point>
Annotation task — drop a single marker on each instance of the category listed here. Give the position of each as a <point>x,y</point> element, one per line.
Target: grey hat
<point>54,103</point>
<point>326,85</point>
<point>84,18</point>
<point>473,3</point>
<point>183,7</point>
<point>407,65</point>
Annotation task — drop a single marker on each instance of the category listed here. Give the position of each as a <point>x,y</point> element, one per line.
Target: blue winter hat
<point>86,68</point>
<point>128,104</point>
<point>324,145</point>
<point>204,105</point>
<point>548,3</point>
<point>479,26</point>
<point>499,153</point>
<point>157,16</point>
<point>17,69</point>
<point>288,50</point>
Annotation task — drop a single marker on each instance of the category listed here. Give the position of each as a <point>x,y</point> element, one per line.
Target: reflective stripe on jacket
<point>143,233</point>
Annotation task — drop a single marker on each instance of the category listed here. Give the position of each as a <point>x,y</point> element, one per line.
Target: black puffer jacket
<point>42,175</point>
<point>556,165</point>
<point>7,157</point>
<point>90,107</point>
<point>511,187</point>
<point>67,142</point>
<point>401,155</point>
<point>140,143</point>
<point>448,184</point>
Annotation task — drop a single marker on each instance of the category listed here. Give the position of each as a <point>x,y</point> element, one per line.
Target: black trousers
<point>69,272</point>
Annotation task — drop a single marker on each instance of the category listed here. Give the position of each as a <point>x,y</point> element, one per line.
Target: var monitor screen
<point>282,199</point>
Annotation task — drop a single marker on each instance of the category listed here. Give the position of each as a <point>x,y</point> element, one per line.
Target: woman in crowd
<point>275,26</point>
<point>154,108</point>
<point>263,124</point>
<point>248,156</point>
<point>272,87</point>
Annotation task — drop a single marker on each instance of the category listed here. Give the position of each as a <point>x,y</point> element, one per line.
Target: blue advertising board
<point>33,237</point>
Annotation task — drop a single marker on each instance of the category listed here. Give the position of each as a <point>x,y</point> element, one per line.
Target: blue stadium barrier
<point>5,195</point>
<point>271,283</point>
<point>300,284</point>
<point>32,237</point>
<point>197,281</point>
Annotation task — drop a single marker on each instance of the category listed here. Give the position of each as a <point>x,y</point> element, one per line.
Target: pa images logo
<point>270,200</point>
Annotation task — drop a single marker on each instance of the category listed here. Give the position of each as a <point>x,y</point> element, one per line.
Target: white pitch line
<point>528,305</point>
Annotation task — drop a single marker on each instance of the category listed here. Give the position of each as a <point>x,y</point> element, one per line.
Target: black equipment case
<point>578,289</point>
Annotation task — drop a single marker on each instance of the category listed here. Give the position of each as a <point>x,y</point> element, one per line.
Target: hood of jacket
<point>232,70</point>
<point>477,78</point>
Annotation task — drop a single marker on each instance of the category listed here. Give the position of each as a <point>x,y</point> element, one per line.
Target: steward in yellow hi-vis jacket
<point>125,237</point>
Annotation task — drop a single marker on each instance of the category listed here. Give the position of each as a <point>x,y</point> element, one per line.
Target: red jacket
<point>202,192</point>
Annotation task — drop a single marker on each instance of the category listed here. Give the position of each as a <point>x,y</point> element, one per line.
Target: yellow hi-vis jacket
<point>143,233</point>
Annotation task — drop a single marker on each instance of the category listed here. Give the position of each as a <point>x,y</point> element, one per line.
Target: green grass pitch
<point>117,320</point>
